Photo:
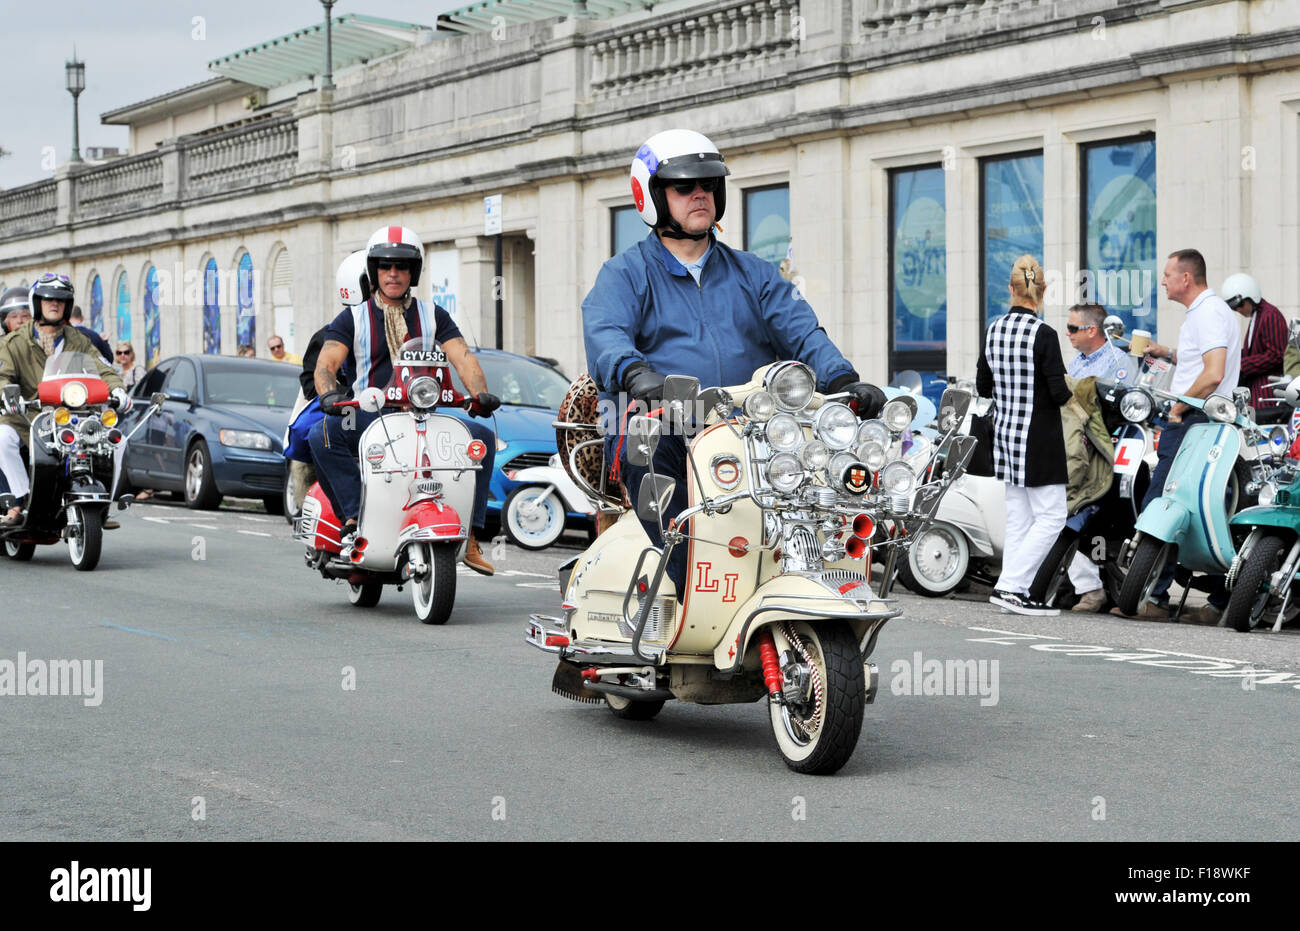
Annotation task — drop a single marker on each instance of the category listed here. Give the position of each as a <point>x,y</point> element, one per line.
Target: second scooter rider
<point>367,337</point>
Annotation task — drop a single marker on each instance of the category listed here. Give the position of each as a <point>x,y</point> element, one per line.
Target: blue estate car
<point>220,432</point>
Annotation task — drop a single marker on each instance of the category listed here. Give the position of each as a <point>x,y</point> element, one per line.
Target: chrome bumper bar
<point>547,634</point>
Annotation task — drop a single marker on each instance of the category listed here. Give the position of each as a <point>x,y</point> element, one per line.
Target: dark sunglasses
<point>277,346</point>
<point>125,352</point>
<point>398,266</point>
<point>1075,329</point>
<point>707,185</point>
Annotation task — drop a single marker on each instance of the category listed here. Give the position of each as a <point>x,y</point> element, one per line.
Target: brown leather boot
<point>474,557</point>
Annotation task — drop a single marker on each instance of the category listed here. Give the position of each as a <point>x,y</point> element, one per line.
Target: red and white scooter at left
<point>418,470</point>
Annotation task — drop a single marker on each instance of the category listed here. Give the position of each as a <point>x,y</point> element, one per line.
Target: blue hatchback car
<point>220,431</point>
<point>530,393</point>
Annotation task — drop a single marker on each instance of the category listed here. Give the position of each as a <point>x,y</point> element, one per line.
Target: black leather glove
<point>866,398</point>
<point>329,402</point>
<point>485,404</point>
<point>643,383</point>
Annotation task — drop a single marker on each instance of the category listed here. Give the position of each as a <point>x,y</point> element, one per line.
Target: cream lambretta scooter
<point>784,500</point>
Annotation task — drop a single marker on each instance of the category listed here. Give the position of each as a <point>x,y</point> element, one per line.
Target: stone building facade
<point>918,144</point>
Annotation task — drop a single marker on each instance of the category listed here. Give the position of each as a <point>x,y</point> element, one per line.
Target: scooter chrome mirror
<point>909,380</point>
<point>716,401</point>
<point>643,434</point>
<point>13,397</point>
<point>157,399</point>
<point>952,409</point>
<point>1113,327</point>
<point>957,453</point>
<point>652,500</point>
<point>684,388</point>
<point>371,400</point>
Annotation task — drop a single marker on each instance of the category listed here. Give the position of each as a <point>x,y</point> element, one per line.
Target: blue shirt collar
<point>674,265</point>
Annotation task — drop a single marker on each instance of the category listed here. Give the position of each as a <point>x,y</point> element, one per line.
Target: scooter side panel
<point>574,500</point>
<point>600,578</point>
<point>977,506</point>
<point>382,501</point>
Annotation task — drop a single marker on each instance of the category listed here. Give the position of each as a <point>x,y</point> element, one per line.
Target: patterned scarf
<point>47,336</point>
<point>394,322</point>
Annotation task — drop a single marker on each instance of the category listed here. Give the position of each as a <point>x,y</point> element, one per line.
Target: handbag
<point>981,460</point>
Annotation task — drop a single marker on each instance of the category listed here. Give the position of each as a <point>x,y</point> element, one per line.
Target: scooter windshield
<point>70,363</point>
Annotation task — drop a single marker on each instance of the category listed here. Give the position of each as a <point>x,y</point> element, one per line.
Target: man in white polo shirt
<point>1208,360</point>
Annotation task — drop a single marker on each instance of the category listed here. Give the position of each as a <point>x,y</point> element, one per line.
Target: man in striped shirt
<point>1097,355</point>
<point>1264,347</point>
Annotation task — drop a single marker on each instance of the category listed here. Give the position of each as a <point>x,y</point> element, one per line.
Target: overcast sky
<point>133,50</point>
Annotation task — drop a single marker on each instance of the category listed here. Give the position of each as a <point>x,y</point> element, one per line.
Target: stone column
<point>559,285</point>
<point>477,312</point>
<point>315,113</point>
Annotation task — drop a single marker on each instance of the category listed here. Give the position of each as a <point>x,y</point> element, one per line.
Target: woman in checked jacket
<point>1020,367</point>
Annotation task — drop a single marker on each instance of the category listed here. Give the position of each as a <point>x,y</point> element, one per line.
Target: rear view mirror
<point>643,434</point>
<point>952,409</point>
<point>682,388</point>
<point>957,453</point>
<point>652,500</point>
<point>175,394</point>
<point>909,380</point>
<point>1113,327</point>
<point>716,401</point>
<point>372,400</point>
<point>157,399</point>
<point>13,396</point>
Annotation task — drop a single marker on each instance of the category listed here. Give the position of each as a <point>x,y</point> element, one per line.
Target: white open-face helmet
<point>394,243</point>
<point>352,280</point>
<point>1240,287</point>
<point>674,155</point>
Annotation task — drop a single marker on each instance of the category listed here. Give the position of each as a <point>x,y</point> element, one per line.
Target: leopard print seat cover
<point>581,405</point>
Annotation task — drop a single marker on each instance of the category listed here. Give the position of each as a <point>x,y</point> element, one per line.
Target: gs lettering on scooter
<point>706,584</point>
<point>1215,453</point>
<point>446,450</point>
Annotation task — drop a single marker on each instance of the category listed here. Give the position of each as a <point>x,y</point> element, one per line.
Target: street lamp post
<point>327,79</point>
<point>76,73</point>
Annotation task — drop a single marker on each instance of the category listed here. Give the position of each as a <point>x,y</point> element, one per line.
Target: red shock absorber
<point>771,664</point>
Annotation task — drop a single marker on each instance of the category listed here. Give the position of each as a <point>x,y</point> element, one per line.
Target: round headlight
<point>74,394</point>
<point>1267,494</point>
<point>1136,405</point>
<point>814,455</point>
<point>109,416</point>
<point>1279,439</point>
<point>840,462</point>
<point>760,406</point>
<point>784,433</point>
<point>784,473</point>
<point>423,391</point>
<point>896,415</point>
<point>91,430</point>
<point>62,415</point>
<point>1219,408</point>
<point>873,454</point>
<point>836,425</point>
<point>792,385</point>
<point>873,431</point>
<point>897,478</point>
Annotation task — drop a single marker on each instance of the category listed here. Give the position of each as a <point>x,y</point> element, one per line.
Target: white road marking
<point>253,533</point>
<point>156,520</point>
<point>204,526</point>
<point>260,520</point>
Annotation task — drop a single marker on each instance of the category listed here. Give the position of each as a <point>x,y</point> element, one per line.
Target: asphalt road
<point>226,666</point>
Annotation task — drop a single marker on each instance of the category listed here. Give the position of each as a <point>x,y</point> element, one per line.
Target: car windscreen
<point>519,381</point>
<point>265,384</point>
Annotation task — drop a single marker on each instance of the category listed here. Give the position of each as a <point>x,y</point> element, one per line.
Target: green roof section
<point>484,16</point>
<point>301,54</point>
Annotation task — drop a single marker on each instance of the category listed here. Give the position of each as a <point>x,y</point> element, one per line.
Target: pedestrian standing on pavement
<point>276,345</point>
<point>1264,349</point>
<point>1020,367</point>
<point>1100,358</point>
<point>1208,361</point>
<point>126,366</point>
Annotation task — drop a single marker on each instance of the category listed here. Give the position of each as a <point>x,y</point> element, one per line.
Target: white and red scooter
<point>418,471</point>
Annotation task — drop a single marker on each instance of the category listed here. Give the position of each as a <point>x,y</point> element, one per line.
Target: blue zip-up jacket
<point>645,306</point>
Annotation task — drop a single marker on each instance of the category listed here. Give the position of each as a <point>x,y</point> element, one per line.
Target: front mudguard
<point>802,597</point>
<point>430,522</point>
<point>1165,519</point>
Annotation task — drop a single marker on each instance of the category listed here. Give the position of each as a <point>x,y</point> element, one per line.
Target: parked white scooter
<point>534,514</point>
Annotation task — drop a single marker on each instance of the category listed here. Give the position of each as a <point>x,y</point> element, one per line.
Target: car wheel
<point>200,485</point>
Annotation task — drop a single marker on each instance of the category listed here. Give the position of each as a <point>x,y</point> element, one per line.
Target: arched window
<point>211,310</point>
<point>97,305</point>
<point>152,323</point>
<point>247,327</point>
<point>282,299</point>
<point>123,308</point>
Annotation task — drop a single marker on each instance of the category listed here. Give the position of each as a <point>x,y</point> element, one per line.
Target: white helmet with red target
<point>353,280</point>
<point>674,155</point>
<point>394,243</point>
